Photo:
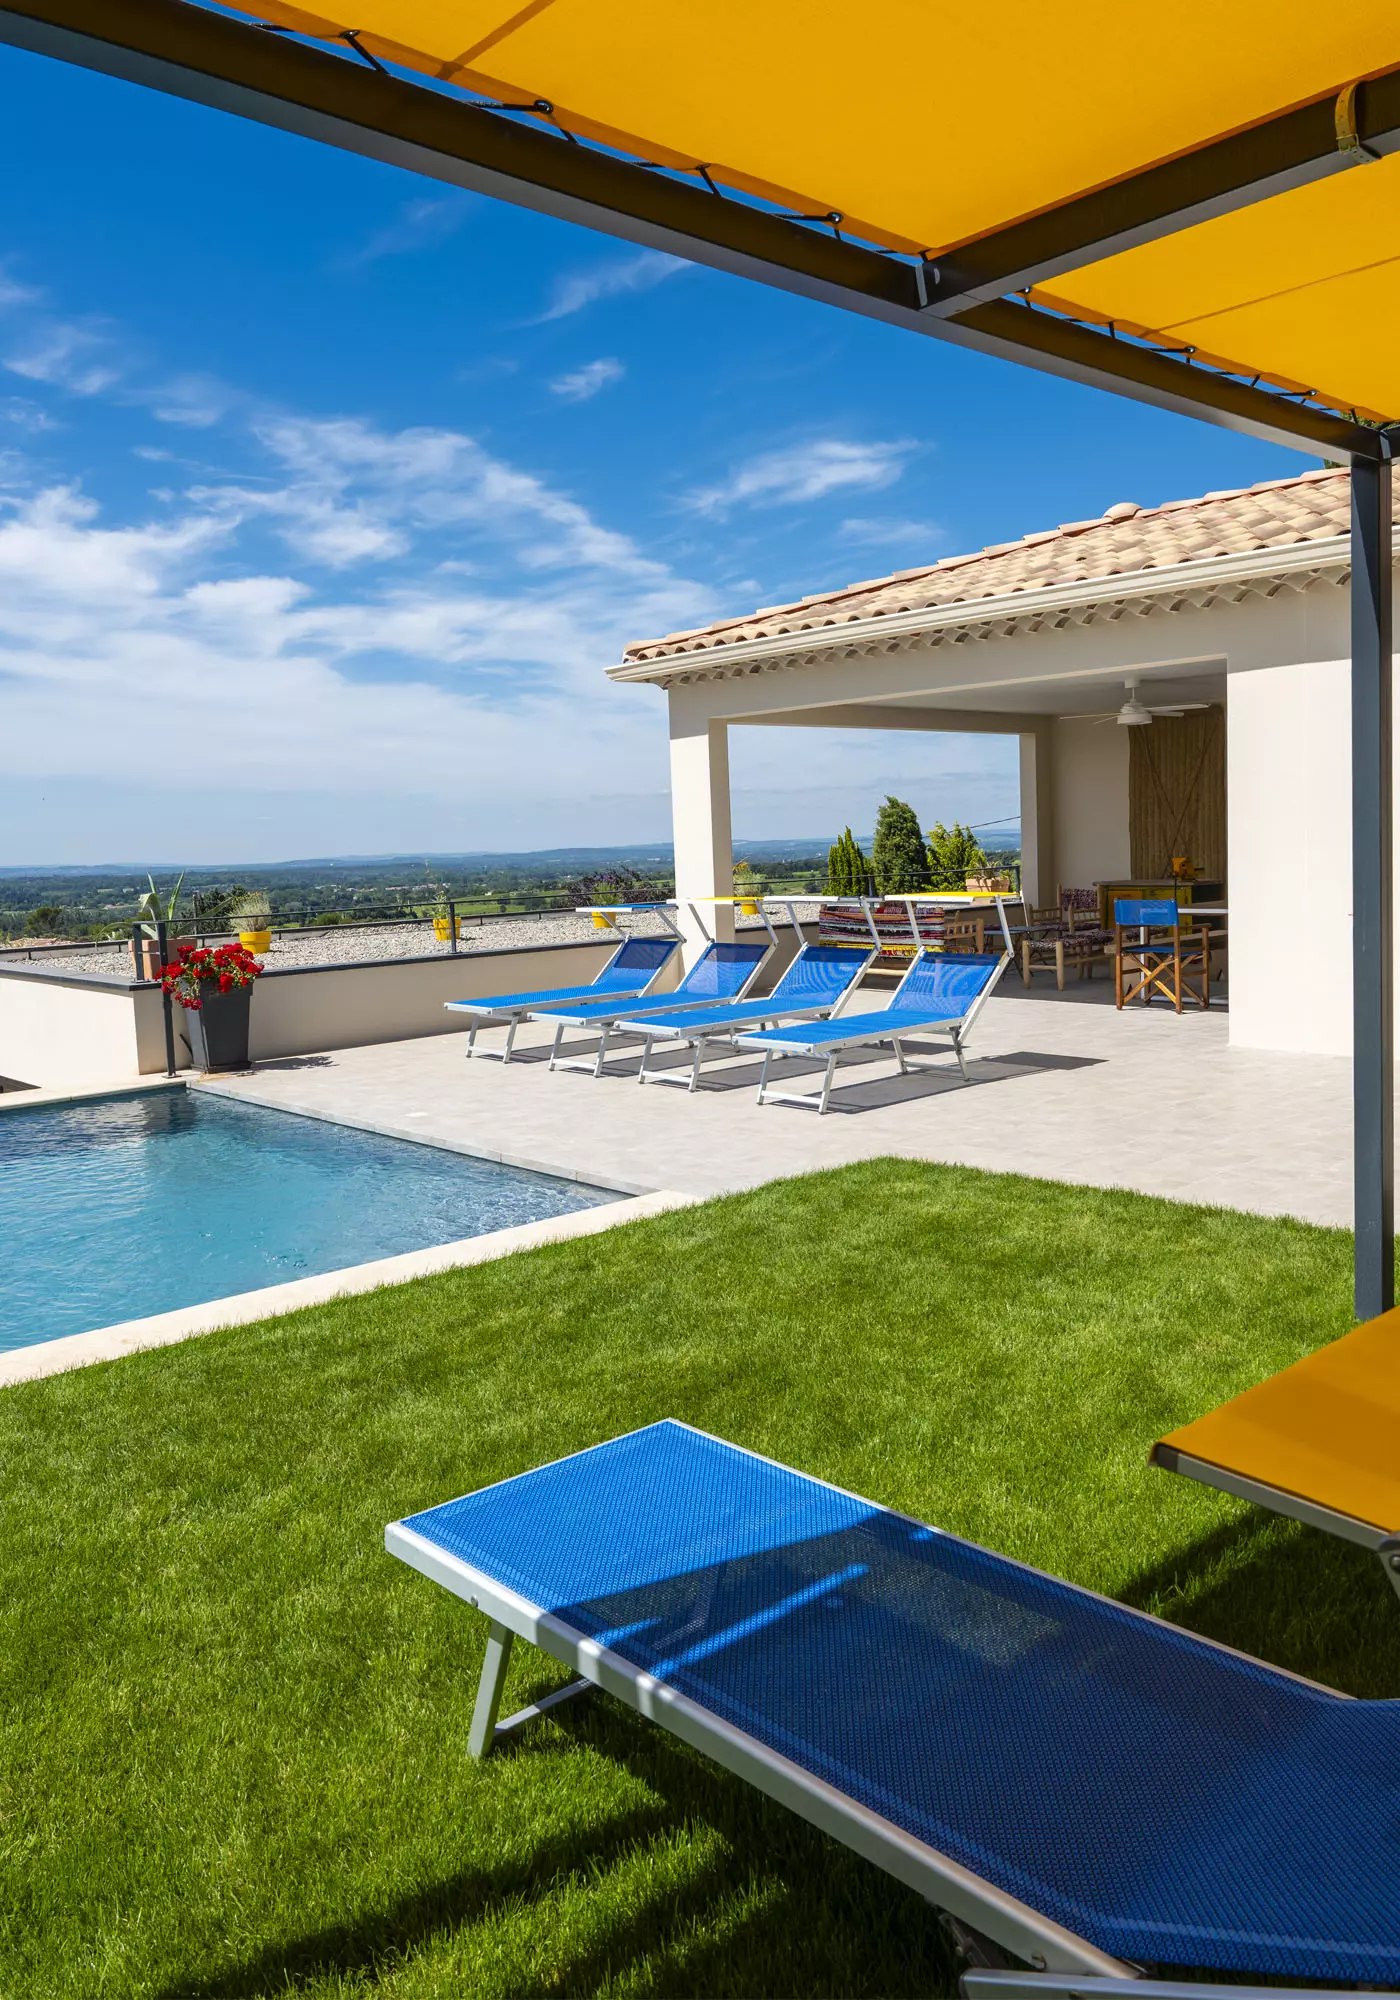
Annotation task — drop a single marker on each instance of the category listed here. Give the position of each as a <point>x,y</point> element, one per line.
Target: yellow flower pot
<point>442,929</point>
<point>748,906</point>
<point>255,940</point>
<point>600,922</point>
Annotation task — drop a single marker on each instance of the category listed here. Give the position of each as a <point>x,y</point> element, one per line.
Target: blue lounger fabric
<point>853,1027</point>
<point>939,988</point>
<point>719,973</point>
<point>817,977</point>
<point>1170,1802</point>
<point>636,964</point>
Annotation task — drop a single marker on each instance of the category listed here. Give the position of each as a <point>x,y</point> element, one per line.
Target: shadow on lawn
<point>826,1921</point>
<point>377,1940</point>
<point>1290,1595</point>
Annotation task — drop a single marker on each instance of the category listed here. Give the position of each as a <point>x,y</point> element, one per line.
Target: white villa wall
<point>1289,779</point>
<point>1091,805</point>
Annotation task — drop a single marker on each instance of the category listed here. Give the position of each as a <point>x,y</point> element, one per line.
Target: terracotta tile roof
<point>1280,513</point>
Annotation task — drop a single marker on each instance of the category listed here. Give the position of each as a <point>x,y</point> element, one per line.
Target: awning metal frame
<point>278,79</point>
<point>1310,143</point>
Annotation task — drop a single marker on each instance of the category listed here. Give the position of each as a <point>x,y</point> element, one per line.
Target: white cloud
<point>353,493</point>
<point>610,281</point>
<point>56,353</point>
<point>584,383</point>
<point>434,691</point>
<point>879,532</point>
<point>25,415</point>
<point>12,293</point>
<point>196,401</point>
<point>419,225</point>
<point>803,472</point>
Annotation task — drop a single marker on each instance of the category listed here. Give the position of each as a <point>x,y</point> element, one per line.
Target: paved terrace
<point>1065,1087</point>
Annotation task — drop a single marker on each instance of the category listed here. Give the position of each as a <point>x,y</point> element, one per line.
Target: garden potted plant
<point>215,988</point>
<point>251,917</point>
<point>150,911</point>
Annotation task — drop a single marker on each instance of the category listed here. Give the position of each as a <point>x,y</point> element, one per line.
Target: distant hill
<point>543,860</point>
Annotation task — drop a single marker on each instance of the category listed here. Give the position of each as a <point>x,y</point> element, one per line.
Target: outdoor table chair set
<point>712,1011</point>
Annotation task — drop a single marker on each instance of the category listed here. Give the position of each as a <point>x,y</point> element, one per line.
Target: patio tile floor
<point>1064,1087</point>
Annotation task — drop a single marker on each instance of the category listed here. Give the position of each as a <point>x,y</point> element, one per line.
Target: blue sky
<point>328,494</point>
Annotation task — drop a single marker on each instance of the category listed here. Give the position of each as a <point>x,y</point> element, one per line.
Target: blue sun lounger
<point>812,987</point>
<point>629,974</point>
<point>942,993</point>
<point>1090,1788</point>
<point>723,972</point>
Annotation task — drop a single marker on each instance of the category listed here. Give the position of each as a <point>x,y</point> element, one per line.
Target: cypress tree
<point>846,867</point>
<point>899,855</point>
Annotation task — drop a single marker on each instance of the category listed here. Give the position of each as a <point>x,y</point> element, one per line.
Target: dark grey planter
<point>218,1030</point>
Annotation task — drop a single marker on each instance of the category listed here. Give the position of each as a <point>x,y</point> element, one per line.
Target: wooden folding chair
<point>1163,958</point>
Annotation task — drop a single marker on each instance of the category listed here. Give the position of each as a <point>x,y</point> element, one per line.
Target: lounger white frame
<point>667,1004</point>
<point>835,1045</point>
<point>486,1016</point>
<point>1312,1513</point>
<point>1011,1924</point>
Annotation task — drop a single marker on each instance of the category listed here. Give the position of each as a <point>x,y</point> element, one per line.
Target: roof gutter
<point>1332,552</point>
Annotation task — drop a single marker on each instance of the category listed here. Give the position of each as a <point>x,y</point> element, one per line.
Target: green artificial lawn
<point>233,1731</point>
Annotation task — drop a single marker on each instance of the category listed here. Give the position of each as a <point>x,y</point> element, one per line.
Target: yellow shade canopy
<point>925,125</point>
<point>1197,206</point>
<point>1324,1431</point>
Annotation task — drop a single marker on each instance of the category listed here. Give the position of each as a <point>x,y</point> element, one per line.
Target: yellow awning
<point>1323,1431</point>
<point>924,126</point>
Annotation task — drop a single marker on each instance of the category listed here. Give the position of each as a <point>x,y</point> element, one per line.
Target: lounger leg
<point>826,1082</point>
<point>763,1074</point>
<point>510,1037</point>
<point>554,1045</point>
<point>488,1693</point>
<point>1389,1553</point>
<point>642,1065</point>
<point>695,1066</point>
<point>602,1049</point>
<point>899,1056</point>
<point>962,1059</point>
<point>471,1039</point>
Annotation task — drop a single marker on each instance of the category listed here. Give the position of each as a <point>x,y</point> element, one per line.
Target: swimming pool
<point>115,1209</point>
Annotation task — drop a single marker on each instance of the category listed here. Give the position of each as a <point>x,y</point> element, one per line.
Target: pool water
<point>128,1206</point>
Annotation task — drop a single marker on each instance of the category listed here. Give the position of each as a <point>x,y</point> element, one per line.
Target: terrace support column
<point>700,817</point>
<point>1373,967</point>
<point>1037,823</point>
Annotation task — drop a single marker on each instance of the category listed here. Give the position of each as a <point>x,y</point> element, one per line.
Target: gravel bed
<point>344,944</point>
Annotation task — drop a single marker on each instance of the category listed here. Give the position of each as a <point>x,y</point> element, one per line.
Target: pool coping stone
<point>111,1343</point>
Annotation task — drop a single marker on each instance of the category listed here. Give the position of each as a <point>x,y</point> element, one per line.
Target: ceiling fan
<point>1135,714</point>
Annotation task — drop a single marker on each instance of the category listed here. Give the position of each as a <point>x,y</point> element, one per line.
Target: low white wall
<point>66,1032</point>
<point>349,1006</point>
<point>1289,763</point>
<point>1090,762</point>
<point>54,1032</point>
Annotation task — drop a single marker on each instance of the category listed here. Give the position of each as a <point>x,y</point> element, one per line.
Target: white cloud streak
<point>420,225</point>
<point>612,280</point>
<point>798,474</point>
<point>584,383</point>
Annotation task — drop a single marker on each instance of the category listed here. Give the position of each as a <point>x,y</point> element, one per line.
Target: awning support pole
<point>1373,948</point>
